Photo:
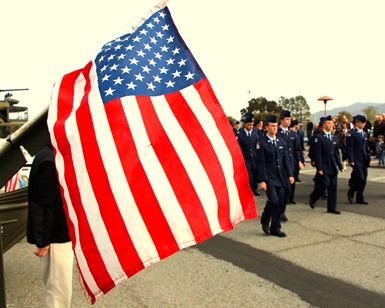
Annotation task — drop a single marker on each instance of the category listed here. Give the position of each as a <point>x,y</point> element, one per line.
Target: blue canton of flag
<point>151,61</point>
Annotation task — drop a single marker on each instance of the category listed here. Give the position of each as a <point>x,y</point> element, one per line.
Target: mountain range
<point>353,109</point>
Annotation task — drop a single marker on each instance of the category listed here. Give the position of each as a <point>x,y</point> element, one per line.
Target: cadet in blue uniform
<point>358,154</point>
<point>299,160</point>
<point>293,149</point>
<point>247,139</point>
<point>326,157</point>
<point>274,170</point>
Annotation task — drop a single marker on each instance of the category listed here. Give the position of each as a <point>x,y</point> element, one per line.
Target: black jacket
<point>46,219</point>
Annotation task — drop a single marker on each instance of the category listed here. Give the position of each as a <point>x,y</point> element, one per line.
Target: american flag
<point>13,183</point>
<point>146,159</point>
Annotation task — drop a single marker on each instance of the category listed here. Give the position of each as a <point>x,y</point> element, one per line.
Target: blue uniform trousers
<point>329,182</point>
<point>358,182</point>
<point>273,207</point>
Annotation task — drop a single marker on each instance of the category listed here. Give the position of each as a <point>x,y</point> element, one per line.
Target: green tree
<point>298,106</point>
<point>343,114</point>
<point>370,112</point>
<point>233,120</point>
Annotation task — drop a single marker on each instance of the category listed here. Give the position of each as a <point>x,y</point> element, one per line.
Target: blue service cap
<point>248,119</point>
<point>328,118</point>
<point>237,122</point>
<point>257,121</point>
<point>293,123</point>
<point>285,113</point>
<point>271,119</point>
<point>360,118</point>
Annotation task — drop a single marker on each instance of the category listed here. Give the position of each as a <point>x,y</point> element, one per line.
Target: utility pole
<point>249,94</point>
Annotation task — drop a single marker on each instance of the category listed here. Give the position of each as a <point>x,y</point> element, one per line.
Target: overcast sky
<point>272,48</point>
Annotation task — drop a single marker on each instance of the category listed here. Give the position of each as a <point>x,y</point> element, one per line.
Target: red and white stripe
<point>13,183</point>
<point>143,177</point>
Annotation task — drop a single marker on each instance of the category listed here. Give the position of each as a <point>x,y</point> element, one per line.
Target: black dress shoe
<point>311,202</point>
<point>292,202</point>
<point>283,217</point>
<point>350,198</point>
<point>363,202</point>
<point>278,233</point>
<point>334,212</point>
<point>266,228</point>
<point>299,181</point>
<point>257,193</point>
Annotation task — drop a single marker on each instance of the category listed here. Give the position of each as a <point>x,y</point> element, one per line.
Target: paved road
<point>326,261</point>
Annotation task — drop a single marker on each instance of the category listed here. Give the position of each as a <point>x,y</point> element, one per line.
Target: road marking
<point>307,171</point>
<point>376,179</point>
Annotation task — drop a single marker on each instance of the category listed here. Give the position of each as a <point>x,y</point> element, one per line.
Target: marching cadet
<point>293,149</point>
<point>358,154</point>
<point>274,170</point>
<point>326,158</point>
<point>247,139</point>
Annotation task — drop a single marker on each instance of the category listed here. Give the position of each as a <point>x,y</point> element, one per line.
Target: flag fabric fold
<point>146,159</point>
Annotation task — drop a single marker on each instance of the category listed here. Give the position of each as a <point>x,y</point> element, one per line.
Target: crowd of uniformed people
<point>274,151</point>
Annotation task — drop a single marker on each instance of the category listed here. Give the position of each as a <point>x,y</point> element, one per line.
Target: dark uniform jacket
<point>326,155</point>
<point>357,148</point>
<point>292,141</point>
<point>273,162</point>
<point>248,146</point>
<point>46,219</point>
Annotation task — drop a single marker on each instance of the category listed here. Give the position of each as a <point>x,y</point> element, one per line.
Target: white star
<point>153,40</point>
<point>165,27</point>
<point>182,62</point>
<point>170,84</point>
<point>101,59</point>
<point>134,61</point>
<point>118,39</point>
<point>131,85</point>
<point>146,69</point>
<point>170,39</point>
<point>108,44</point>
<point>189,76</point>
<point>150,25</point>
<point>162,14</point>
<point>141,53</point>
<point>139,77</point>
<point>118,47</point>
<point>103,68</point>
<point>157,78</point>
<point>109,91</point>
<point>129,47</point>
<point>114,67</point>
<point>136,39</point>
<point>158,55</point>
<point>164,48</point>
<point>159,34</point>
<point>121,56</point>
<point>156,19</point>
<point>111,57</point>
<point>118,80</point>
<point>105,78</point>
<point>144,32</point>
<point>147,46</point>
<point>177,73</point>
<point>151,86</point>
<point>125,70</point>
<point>163,70</point>
<point>175,51</point>
<point>152,62</point>
<point>170,61</point>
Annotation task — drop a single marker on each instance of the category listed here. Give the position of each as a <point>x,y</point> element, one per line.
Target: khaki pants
<point>56,268</point>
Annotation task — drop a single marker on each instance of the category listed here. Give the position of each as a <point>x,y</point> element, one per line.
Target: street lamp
<point>325,99</point>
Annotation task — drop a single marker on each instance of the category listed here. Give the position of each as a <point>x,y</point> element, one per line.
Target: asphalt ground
<point>325,261</point>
